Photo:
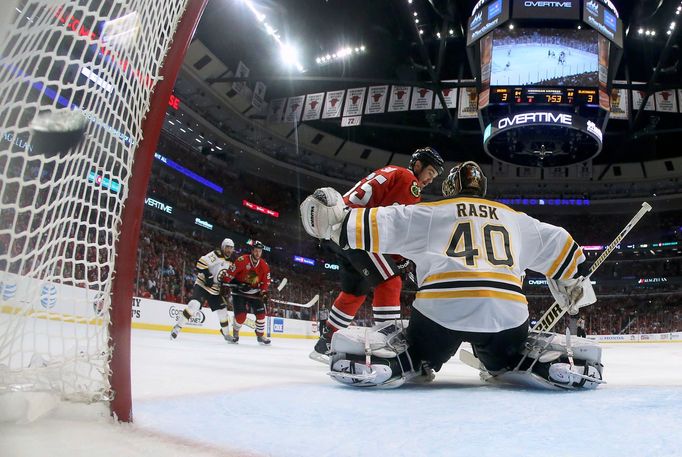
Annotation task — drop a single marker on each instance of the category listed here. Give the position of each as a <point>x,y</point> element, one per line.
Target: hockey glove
<point>322,214</point>
<point>264,296</point>
<point>225,290</point>
<point>572,294</point>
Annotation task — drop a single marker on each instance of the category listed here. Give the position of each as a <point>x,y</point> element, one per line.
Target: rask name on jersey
<point>476,210</point>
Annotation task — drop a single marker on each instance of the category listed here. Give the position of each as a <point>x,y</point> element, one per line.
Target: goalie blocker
<point>380,357</point>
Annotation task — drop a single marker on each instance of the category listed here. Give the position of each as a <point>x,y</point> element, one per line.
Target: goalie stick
<point>552,316</point>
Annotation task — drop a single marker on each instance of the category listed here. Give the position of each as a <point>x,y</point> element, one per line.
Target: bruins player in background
<point>359,270</point>
<point>211,268</point>
<point>249,279</point>
<point>470,255</point>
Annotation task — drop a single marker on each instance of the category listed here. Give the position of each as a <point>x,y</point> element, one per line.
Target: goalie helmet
<point>465,178</point>
<point>427,156</point>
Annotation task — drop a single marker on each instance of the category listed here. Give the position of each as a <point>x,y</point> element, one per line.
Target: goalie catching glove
<point>572,294</point>
<point>322,214</point>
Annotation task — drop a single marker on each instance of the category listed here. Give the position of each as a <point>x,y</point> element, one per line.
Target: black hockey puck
<point>57,132</point>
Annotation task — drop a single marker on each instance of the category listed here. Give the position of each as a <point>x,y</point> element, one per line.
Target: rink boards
<point>52,301</point>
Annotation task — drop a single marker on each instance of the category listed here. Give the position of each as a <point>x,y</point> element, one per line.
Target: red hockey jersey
<point>245,271</point>
<point>384,187</point>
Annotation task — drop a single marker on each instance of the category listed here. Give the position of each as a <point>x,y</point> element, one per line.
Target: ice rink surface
<point>198,396</point>
<point>530,64</point>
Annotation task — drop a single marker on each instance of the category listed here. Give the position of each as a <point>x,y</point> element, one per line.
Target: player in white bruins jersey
<point>470,255</point>
<point>211,268</point>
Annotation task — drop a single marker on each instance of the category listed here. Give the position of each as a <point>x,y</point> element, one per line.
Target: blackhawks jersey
<point>246,271</point>
<point>387,186</point>
<point>217,266</point>
<point>470,255</point>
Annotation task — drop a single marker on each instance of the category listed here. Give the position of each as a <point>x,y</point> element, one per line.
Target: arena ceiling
<point>397,53</point>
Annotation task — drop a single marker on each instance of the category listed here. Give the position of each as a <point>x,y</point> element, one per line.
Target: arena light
<point>288,52</point>
<point>340,54</point>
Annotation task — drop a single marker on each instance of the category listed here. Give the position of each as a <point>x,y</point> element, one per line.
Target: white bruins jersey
<point>470,253</point>
<point>217,265</point>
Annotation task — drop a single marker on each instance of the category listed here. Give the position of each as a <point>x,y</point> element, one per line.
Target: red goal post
<point>124,279</point>
<point>84,87</point>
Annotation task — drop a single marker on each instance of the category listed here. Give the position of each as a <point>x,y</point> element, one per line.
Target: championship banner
<point>468,103</point>
<point>275,110</point>
<point>313,107</point>
<point>354,101</point>
<point>258,100</point>
<point>376,100</point>
<point>242,72</point>
<point>666,101</point>
<point>294,109</point>
<point>450,96</point>
<point>421,99</point>
<point>638,96</point>
<point>333,104</point>
<point>400,98</point>
<point>619,104</point>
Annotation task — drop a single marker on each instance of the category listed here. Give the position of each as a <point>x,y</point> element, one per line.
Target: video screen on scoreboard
<point>545,57</point>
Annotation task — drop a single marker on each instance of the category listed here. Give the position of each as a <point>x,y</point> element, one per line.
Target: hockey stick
<point>301,305</point>
<point>281,284</point>
<point>555,312</point>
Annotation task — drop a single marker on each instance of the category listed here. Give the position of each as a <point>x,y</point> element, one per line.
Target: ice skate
<point>175,331</point>
<point>263,340</point>
<point>320,352</point>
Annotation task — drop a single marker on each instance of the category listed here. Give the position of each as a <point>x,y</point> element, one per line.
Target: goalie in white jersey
<point>470,255</point>
<point>211,269</point>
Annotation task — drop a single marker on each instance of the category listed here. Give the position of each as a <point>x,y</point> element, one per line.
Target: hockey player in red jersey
<point>249,280</point>
<point>360,271</point>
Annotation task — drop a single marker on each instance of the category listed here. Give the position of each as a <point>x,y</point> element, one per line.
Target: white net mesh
<point>64,178</point>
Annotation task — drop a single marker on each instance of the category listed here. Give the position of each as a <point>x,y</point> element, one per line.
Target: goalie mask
<point>465,178</point>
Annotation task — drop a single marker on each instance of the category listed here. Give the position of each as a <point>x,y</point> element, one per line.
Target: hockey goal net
<point>82,88</point>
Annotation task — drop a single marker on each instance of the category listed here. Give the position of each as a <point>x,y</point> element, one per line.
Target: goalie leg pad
<point>391,364</point>
<point>550,359</point>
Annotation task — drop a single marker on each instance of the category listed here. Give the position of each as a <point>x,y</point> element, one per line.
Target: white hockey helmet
<point>227,243</point>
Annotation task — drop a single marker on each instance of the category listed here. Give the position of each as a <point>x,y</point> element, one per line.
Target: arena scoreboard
<point>544,96</point>
<point>543,82</point>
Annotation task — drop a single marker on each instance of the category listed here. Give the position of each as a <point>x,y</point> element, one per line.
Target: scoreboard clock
<point>544,96</point>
